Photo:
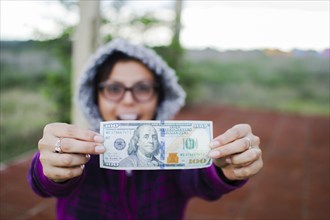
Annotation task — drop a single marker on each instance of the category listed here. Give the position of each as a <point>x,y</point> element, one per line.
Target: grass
<point>291,85</point>
<point>23,116</point>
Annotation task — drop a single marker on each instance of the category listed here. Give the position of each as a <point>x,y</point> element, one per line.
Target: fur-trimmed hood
<point>174,95</point>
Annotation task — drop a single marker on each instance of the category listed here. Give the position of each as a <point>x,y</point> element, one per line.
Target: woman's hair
<point>106,67</point>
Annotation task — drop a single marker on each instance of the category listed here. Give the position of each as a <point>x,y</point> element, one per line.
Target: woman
<point>128,82</point>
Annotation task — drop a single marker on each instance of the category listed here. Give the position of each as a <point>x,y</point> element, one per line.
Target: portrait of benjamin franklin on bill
<point>142,149</point>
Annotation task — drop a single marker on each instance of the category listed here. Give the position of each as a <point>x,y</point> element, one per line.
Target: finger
<point>248,171</point>
<point>64,130</point>
<point>235,147</point>
<point>236,132</point>
<point>61,174</point>
<point>245,157</point>
<point>69,145</point>
<point>65,160</point>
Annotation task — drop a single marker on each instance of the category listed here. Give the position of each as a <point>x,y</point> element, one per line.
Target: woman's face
<point>128,74</point>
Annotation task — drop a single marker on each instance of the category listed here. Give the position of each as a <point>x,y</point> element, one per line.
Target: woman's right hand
<point>76,145</point>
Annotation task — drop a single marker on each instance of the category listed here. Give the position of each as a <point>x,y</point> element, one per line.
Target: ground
<point>294,183</point>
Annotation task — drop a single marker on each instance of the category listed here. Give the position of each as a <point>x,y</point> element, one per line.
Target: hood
<point>174,95</point>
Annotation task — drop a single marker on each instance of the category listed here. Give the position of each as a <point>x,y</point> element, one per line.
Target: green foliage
<point>23,115</point>
<point>43,65</point>
<point>147,21</point>
<point>10,77</point>
<point>116,23</point>
<point>294,84</point>
<point>58,83</point>
<point>21,65</point>
<point>188,77</point>
<point>59,91</point>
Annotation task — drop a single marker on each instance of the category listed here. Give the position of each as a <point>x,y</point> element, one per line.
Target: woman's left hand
<point>237,152</point>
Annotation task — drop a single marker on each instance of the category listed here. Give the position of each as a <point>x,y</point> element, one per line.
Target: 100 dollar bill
<point>155,145</point>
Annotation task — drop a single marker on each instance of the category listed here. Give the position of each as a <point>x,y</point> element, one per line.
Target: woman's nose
<point>128,98</point>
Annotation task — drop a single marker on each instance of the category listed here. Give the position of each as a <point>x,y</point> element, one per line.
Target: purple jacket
<point>112,194</point>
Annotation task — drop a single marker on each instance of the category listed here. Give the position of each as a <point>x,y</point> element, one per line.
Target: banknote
<point>156,145</point>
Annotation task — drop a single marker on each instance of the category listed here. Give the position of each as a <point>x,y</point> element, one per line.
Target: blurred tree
<point>58,84</point>
<point>116,22</point>
<point>174,55</point>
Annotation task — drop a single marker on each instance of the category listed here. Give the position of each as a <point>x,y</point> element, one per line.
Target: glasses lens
<point>114,91</point>
<point>143,91</point>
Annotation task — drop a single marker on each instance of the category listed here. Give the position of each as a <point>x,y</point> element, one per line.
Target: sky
<point>223,25</point>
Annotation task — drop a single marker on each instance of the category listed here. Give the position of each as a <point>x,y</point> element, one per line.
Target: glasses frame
<point>102,86</point>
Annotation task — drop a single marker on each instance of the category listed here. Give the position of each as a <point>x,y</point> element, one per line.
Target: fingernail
<point>82,166</point>
<point>98,138</point>
<point>214,144</point>
<point>214,154</point>
<point>88,156</point>
<point>99,149</point>
<point>228,160</point>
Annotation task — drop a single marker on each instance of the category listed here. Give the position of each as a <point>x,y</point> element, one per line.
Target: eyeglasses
<point>141,91</point>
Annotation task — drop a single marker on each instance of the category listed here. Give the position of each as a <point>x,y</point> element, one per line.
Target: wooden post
<point>86,40</point>
<point>177,24</point>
